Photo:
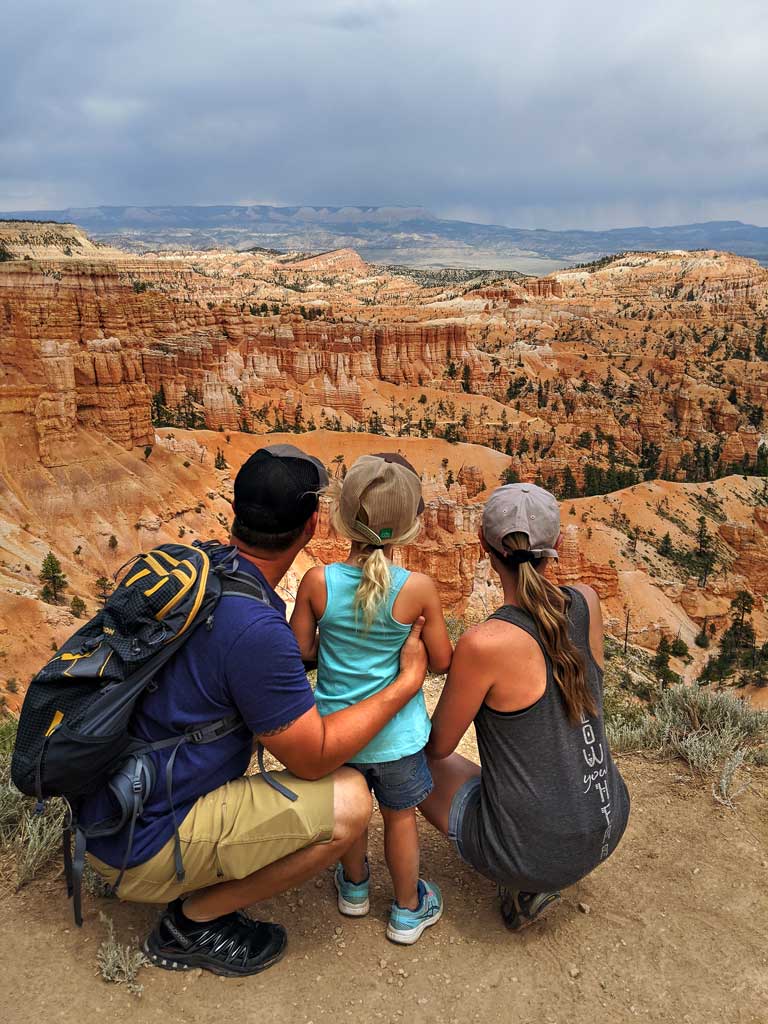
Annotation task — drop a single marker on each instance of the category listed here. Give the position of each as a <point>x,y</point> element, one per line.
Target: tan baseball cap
<point>380,498</point>
<point>523,508</point>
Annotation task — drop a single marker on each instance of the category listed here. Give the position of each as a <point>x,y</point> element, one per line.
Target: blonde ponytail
<point>547,605</point>
<point>373,589</point>
<point>376,580</point>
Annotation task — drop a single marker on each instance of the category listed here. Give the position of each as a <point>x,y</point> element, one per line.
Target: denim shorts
<point>401,784</point>
<point>465,801</point>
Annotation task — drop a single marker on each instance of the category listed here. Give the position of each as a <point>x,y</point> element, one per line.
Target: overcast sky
<point>557,114</point>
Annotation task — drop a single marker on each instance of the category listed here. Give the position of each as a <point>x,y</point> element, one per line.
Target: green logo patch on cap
<point>386,533</point>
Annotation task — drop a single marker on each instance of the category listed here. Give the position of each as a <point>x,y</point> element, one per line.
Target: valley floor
<point>675,932</point>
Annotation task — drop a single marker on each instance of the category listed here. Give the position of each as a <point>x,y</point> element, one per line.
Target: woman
<point>547,804</point>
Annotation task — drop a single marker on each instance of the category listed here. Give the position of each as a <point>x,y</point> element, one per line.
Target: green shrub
<point>7,740</point>
<point>678,648</point>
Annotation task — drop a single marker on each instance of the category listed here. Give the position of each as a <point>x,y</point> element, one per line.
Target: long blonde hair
<point>376,580</point>
<point>547,605</point>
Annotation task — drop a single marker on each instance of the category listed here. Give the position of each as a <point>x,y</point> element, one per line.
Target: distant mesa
<point>337,261</point>
<point>393,235</point>
<point>39,239</point>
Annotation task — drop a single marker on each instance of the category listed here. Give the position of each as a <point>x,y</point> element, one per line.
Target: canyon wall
<point>645,376</point>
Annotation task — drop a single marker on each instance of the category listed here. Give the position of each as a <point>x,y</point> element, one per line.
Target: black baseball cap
<point>277,489</point>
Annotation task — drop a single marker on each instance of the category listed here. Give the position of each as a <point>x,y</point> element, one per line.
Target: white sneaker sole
<point>351,909</point>
<point>407,938</point>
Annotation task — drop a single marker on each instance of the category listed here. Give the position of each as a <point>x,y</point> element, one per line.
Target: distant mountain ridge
<point>389,234</point>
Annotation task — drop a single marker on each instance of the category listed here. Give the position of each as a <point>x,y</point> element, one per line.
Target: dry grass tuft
<point>119,964</point>
<point>32,839</point>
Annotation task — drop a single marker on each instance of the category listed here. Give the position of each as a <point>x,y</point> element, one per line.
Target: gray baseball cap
<point>523,508</point>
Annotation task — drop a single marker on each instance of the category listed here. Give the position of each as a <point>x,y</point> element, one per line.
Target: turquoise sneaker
<point>406,926</point>
<point>353,899</point>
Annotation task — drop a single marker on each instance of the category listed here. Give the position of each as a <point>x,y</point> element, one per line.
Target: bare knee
<point>393,817</point>
<point>352,804</point>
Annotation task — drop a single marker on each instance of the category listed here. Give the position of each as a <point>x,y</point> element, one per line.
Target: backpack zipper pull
<point>209,623</point>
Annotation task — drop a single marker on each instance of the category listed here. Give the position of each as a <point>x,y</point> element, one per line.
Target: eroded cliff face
<point>647,363</point>
<point>650,365</point>
<point>94,344</point>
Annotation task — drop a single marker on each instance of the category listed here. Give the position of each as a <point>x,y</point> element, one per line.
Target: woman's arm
<point>303,619</point>
<point>595,621</point>
<point>469,679</point>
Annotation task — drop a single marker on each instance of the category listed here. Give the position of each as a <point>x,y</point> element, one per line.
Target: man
<point>242,840</point>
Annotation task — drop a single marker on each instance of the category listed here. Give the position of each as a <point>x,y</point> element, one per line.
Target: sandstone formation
<point>337,261</point>
<point>646,376</point>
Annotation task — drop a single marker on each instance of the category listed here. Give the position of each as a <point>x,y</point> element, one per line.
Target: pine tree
<point>664,673</point>
<point>703,536</point>
<point>104,587</point>
<point>77,607</point>
<point>52,578</point>
<point>665,548</point>
<point>570,488</point>
<point>741,606</point>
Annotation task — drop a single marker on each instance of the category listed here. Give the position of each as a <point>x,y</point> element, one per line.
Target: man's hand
<point>313,746</point>
<point>413,657</point>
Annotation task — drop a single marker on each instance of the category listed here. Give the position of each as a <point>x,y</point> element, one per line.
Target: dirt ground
<point>675,932</point>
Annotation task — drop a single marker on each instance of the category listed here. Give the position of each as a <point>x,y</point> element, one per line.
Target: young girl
<point>363,610</point>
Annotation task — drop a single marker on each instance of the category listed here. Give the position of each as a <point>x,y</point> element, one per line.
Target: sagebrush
<point>31,837</point>
<point>706,730</point>
<point>118,963</point>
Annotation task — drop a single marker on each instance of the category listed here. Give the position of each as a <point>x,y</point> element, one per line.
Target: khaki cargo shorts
<point>230,833</point>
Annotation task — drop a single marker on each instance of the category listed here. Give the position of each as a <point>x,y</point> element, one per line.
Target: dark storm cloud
<point>568,114</point>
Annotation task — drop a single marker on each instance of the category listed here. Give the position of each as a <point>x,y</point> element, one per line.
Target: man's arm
<point>313,746</point>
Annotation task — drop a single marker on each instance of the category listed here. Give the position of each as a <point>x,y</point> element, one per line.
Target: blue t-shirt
<point>247,664</point>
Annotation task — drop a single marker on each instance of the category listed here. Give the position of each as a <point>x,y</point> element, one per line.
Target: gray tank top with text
<point>552,804</point>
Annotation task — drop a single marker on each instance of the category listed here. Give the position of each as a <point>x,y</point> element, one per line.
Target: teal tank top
<point>354,663</point>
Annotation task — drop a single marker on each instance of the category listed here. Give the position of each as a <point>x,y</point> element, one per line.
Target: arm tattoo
<point>279,729</point>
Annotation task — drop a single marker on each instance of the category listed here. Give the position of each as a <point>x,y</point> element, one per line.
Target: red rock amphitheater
<point>645,377</point>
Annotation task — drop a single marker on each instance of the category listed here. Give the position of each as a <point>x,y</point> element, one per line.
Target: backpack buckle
<point>196,736</point>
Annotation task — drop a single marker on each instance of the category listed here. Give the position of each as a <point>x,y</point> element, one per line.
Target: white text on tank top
<point>597,776</point>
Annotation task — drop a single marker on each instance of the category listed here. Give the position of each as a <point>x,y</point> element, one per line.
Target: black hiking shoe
<point>233,945</point>
<point>521,909</point>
